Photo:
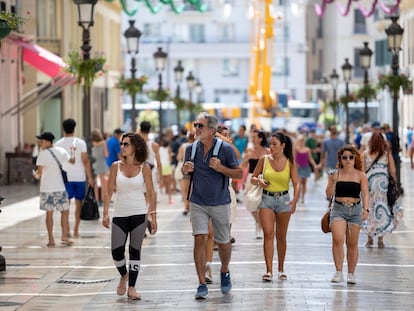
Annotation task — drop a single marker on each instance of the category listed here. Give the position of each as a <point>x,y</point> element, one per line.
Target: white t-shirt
<point>76,171</point>
<point>51,179</point>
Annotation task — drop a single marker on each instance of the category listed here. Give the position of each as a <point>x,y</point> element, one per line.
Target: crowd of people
<point>212,169</point>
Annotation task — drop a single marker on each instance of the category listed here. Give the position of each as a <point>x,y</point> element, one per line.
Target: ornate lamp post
<point>85,20</point>
<point>394,34</point>
<point>132,36</point>
<point>198,88</point>
<point>347,73</point>
<point>160,56</point>
<point>334,84</point>
<point>178,71</point>
<point>365,58</point>
<point>190,85</point>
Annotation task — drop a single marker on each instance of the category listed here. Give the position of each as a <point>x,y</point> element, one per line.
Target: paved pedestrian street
<point>83,277</point>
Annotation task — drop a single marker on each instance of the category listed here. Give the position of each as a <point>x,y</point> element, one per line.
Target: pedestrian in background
<point>131,176</point>
<point>100,169</point>
<point>378,164</point>
<point>78,168</point>
<point>330,149</point>
<point>274,173</point>
<point>114,150</point>
<point>53,195</point>
<point>348,185</point>
<point>210,198</point>
<point>167,168</point>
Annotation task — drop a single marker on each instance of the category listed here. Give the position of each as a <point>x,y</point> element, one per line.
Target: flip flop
<point>50,244</point>
<point>67,242</point>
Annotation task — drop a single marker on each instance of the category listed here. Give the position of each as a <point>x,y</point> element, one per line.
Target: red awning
<point>41,59</point>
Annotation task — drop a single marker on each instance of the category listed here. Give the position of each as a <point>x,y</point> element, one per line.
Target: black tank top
<point>252,165</point>
<point>348,189</point>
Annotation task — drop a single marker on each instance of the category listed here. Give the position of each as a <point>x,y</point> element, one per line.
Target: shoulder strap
<point>193,150</point>
<point>56,159</point>
<point>217,147</point>
<point>373,163</point>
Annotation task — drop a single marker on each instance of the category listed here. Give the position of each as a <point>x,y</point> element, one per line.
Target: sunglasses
<point>198,125</point>
<point>124,144</point>
<point>351,157</point>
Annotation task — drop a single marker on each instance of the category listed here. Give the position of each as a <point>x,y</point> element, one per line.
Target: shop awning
<point>41,59</point>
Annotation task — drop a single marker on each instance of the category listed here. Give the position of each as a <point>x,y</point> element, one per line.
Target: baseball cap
<point>46,136</point>
<point>376,125</point>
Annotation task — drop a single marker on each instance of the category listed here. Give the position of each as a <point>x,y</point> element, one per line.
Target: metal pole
<point>335,106</point>
<point>86,109</point>
<point>160,110</point>
<point>366,97</point>
<point>396,153</point>
<point>177,96</point>
<point>191,105</point>
<point>346,113</point>
<point>133,96</point>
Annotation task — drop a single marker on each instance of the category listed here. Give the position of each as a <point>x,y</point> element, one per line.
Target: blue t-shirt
<point>330,148</point>
<point>114,149</point>
<point>210,187</point>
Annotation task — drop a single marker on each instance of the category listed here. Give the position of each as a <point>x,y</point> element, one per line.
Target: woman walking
<point>100,169</point>
<point>131,176</point>
<point>347,184</point>
<point>276,207</point>
<point>378,164</point>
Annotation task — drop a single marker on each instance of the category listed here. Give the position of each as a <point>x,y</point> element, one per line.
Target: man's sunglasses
<point>351,157</point>
<point>198,125</point>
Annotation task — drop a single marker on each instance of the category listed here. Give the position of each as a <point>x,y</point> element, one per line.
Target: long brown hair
<point>377,143</point>
<point>139,145</point>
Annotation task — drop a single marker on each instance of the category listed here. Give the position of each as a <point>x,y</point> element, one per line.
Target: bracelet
<point>153,212</point>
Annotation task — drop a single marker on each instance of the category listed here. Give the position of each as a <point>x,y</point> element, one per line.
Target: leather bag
<point>90,210</point>
<point>325,221</point>
<point>393,192</point>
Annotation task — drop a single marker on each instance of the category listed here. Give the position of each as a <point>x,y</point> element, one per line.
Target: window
<point>359,22</point>
<point>189,33</point>
<point>231,68</point>
<point>226,32</point>
<point>382,55</point>
<point>151,33</point>
<point>281,67</point>
<point>46,26</point>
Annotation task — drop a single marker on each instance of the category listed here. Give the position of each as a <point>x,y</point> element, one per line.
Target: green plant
<point>132,85</point>
<point>394,83</point>
<point>347,99</point>
<point>367,91</point>
<point>85,70</point>
<point>159,94</point>
<point>12,20</point>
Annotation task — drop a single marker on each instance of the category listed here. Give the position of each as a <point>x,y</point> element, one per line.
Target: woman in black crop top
<point>349,187</point>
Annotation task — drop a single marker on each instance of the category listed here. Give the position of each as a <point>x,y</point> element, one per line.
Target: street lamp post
<point>178,71</point>
<point>334,84</point>
<point>394,35</point>
<point>132,36</point>
<point>347,73</point>
<point>190,85</point>
<point>160,56</point>
<point>85,20</point>
<point>365,57</point>
<point>198,88</point>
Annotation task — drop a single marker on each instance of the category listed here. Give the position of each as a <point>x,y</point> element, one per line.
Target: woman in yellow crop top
<point>276,207</point>
<point>347,184</point>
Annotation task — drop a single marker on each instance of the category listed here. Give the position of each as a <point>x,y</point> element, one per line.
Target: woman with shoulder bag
<point>348,184</point>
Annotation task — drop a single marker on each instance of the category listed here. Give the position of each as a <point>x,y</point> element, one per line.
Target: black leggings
<point>121,226</point>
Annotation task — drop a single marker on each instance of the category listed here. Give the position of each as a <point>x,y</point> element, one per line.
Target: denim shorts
<point>351,214</point>
<point>278,205</point>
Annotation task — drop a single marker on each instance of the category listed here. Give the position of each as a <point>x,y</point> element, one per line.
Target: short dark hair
<point>69,126</point>
<point>145,127</point>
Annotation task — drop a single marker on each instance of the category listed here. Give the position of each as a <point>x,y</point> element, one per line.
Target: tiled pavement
<point>82,277</point>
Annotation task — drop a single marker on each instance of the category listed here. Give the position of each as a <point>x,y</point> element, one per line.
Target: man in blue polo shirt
<point>210,197</point>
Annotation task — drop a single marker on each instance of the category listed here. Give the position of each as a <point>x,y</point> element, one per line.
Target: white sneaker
<point>338,277</point>
<point>351,278</point>
<point>259,232</point>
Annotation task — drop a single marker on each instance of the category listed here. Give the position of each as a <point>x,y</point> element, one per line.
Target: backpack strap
<point>193,150</point>
<point>217,147</point>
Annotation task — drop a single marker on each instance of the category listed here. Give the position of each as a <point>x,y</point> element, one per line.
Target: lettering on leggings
<point>134,265</point>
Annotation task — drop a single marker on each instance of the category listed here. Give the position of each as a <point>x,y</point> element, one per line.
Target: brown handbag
<point>325,220</point>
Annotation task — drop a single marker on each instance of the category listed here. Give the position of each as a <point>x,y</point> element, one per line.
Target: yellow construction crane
<point>260,75</point>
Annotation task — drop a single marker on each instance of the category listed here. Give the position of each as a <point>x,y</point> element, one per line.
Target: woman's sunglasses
<point>124,144</point>
<point>351,157</point>
<point>198,125</point>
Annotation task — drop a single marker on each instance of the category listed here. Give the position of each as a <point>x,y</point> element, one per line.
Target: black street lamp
<point>160,57</point>
<point>178,72</point>
<point>198,88</point>
<point>85,20</point>
<point>132,36</point>
<point>190,86</point>
<point>347,73</point>
<point>365,58</point>
<point>394,34</point>
<point>334,84</point>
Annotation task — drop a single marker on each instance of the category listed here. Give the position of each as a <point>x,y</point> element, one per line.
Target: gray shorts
<point>220,218</point>
<point>278,205</point>
<point>351,214</point>
<point>51,201</point>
